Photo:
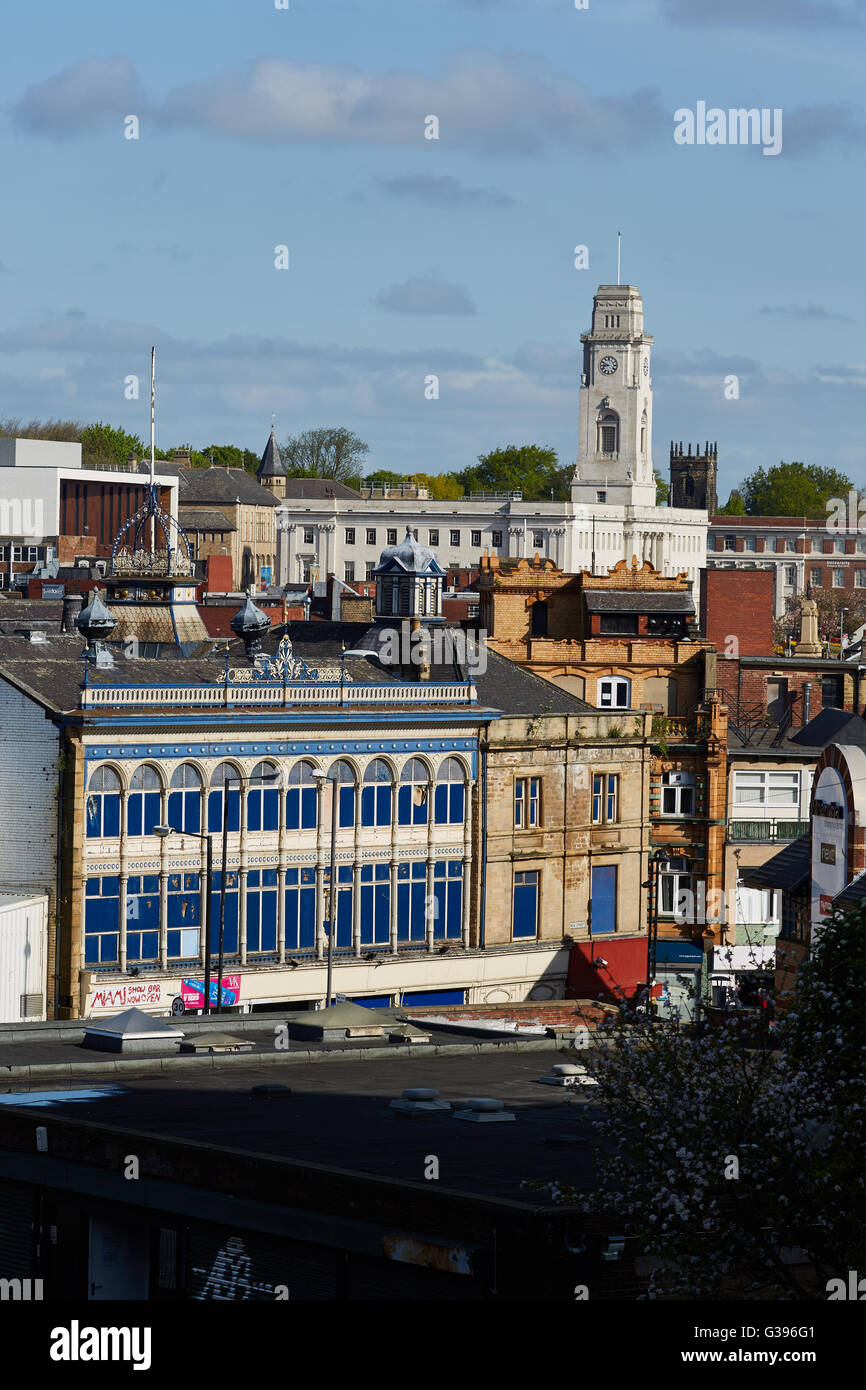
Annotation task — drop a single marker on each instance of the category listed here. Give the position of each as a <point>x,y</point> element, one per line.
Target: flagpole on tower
<point>152,444</point>
<point>618,257</point>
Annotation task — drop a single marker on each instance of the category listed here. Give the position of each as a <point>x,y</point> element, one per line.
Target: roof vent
<point>568,1074</point>
<point>483,1110</point>
<point>215,1042</point>
<point>419,1100</point>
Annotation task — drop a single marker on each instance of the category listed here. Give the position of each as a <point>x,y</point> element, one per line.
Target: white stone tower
<point>614,459</point>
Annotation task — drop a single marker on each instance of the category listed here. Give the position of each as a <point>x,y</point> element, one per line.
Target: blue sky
<point>410,257</point>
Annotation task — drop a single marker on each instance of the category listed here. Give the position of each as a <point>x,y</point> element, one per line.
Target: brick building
<point>624,640</point>
<point>797,552</point>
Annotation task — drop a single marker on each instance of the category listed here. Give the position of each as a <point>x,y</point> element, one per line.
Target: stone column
<point>242,872</point>
<point>321,865</point>
<point>282,865</point>
<point>467,862</point>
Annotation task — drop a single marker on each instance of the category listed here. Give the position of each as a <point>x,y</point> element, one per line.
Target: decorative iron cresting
<point>283,668</point>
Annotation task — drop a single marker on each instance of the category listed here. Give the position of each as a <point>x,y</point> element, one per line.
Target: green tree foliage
<point>384,478</point>
<point>334,453</point>
<point>662,488</point>
<point>793,489</point>
<point>105,446</point>
<point>528,467</point>
<point>735,506</point>
<point>224,456</point>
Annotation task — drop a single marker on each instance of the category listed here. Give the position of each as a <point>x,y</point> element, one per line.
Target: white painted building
<point>610,516</point>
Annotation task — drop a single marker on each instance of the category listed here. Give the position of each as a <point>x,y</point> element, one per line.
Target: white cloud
<point>81,99</point>
<point>417,296</point>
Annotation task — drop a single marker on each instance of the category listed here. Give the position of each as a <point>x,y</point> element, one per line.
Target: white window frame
<point>766,787</point>
<point>616,684</point>
<point>527,803</point>
<point>838,579</point>
<point>605,798</point>
<point>679,883</point>
<point>674,796</point>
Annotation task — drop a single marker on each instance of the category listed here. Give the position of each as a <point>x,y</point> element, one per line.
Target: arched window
<point>103,804</point>
<point>184,800</point>
<point>342,775</point>
<point>413,793</point>
<point>225,788</point>
<point>143,806</point>
<point>301,798</point>
<point>608,433</point>
<point>263,798</point>
<point>376,794</point>
<point>450,794</point>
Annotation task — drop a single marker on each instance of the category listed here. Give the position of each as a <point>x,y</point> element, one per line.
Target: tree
<point>831,620</point>
<point>63,431</point>
<point>441,487</point>
<point>793,489</point>
<point>528,467</point>
<point>107,446</point>
<point>734,506</point>
<point>325,453</point>
<point>662,488</point>
<point>719,1155</point>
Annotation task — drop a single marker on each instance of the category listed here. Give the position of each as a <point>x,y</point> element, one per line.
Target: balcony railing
<point>767,831</point>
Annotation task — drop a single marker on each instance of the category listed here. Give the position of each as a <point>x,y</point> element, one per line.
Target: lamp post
<point>164,831</point>
<point>656,864</point>
<point>321,779</point>
<point>842,613</point>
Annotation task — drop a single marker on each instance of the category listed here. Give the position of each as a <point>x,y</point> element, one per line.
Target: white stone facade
<point>611,515</point>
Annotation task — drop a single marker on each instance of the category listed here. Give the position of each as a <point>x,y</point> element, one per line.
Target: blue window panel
<point>142,945</point>
<point>184,812</point>
<point>376,912</point>
<point>214,810</point>
<point>346,807</point>
<point>184,901</point>
<point>143,812</point>
<point>374,1001</point>
<point>343,939</point>
<point>411,903</point>
<point>230,927</point>
<point>525,919</point>
<point>102,920</point>
<point>603,896</point>
<point>448,803</point>
<point>434,996</point>
<point>409,811</point>
<point>300,909</point>
<point>301,808</point>
<point>103,815</point>
<point>262,918</point>
<point>263,809</point>
<point>376,805</point>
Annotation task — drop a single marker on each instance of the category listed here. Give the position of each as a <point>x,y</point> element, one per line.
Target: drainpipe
<point>481,931</point>
<point>807,700</point>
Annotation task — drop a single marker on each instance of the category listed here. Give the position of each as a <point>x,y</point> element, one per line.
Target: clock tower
<point>614,458</point>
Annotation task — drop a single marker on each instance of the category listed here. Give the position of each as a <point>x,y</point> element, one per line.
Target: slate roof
<point>204,519</point>
<point>317,489</point>
<point>409,556</point>
<point>787,870</point>
<point>52,672</point>
<point>29,613</point>
<point>271,465</point>
<point>208,485</point>
<point>854,894</point>
<point>832,726</point>
<point>638,601</point>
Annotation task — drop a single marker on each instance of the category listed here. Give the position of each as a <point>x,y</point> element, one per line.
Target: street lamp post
<point>164,831</point>
<point>842,613</point>
<point>321,778</point>
<point>656,864</point>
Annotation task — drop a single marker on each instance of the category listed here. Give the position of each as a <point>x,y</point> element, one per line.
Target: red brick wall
<point>217,618</point>
<point>562,1013</point>
<point>624,973</point>
<point>219,574</point>
<point>738,604</point>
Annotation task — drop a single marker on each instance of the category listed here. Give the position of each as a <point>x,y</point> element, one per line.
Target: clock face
<point>645,365</point>
<point>608,365</point>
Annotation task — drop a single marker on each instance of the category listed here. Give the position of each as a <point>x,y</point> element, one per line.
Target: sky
<point>304,127</point>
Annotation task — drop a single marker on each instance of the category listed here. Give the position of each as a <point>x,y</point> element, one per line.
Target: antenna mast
<point>152,446</point>
<point>618,257</point>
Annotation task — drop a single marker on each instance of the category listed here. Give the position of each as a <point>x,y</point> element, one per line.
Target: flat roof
<point>338,1115</point>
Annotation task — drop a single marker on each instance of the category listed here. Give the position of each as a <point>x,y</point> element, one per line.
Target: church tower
<point>693,477</point>
<point>614,460</point>
<point>270,472</point>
